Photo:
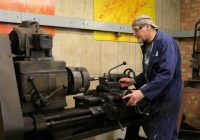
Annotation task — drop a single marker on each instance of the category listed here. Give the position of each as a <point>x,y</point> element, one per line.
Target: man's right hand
<point>125,82</point>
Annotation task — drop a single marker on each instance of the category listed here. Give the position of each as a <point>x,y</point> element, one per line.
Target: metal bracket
<point>64,22</point>
<point>9,16</point>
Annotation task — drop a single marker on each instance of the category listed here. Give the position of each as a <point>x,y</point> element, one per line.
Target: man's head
<point>144,28</point>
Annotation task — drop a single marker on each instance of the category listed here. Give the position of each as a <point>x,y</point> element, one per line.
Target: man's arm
<point>140,80</point>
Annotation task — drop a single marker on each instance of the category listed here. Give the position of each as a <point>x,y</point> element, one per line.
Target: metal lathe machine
<point>33,90</point>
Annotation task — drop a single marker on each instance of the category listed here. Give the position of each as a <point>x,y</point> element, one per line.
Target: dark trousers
<point>132,131</point>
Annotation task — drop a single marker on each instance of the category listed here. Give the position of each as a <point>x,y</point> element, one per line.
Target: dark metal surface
<point>192,84</point>
<point>41,84</point>
<point>107,127</point>
<point>11,120</point>
<point>29,42</point>
<point>79,79</point>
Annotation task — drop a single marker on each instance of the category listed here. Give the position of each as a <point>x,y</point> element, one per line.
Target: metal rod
<point>53,123</point>
<point>124,63</point>
<point>68,113</point>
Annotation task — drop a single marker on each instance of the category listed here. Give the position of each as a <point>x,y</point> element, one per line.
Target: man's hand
<point>133,97</point>
<point>125,82</point>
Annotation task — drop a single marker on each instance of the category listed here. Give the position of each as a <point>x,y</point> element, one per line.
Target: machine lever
<point>124,63</point>
<point>37,98</point>
<point>120,125</point>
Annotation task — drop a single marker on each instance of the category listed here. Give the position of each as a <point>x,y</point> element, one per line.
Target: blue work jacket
<point>162,86</point>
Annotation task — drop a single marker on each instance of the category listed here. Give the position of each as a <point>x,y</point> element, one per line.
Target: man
<point>160,80</point>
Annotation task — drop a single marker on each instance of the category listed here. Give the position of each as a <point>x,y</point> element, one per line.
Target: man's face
<point>141,32</point>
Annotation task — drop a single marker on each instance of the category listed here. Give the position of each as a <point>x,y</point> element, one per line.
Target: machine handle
<point>124,63</point>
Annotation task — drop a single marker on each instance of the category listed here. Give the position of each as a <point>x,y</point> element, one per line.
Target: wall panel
<point>168,14</point>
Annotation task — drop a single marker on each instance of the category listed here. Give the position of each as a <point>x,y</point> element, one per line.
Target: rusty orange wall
<point>32,6</point>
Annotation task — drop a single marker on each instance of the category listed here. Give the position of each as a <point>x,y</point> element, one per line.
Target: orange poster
<point>32,6</point>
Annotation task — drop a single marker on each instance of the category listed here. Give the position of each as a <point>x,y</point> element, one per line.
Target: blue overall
<point>162,86</point>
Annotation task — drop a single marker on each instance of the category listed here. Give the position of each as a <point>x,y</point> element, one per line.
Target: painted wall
<point>168,14</point>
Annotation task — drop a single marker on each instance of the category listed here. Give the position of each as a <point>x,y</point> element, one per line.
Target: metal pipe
<point>124,63</point>
<point>53,123</point>
<point>68,113</point>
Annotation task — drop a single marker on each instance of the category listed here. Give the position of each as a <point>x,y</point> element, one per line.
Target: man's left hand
<point>134,97</point>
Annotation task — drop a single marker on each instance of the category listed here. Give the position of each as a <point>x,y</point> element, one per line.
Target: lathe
<point>33,90</point>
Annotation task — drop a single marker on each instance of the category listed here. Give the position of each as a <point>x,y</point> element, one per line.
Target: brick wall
<point>186,51</point>
<point>190,14</point>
